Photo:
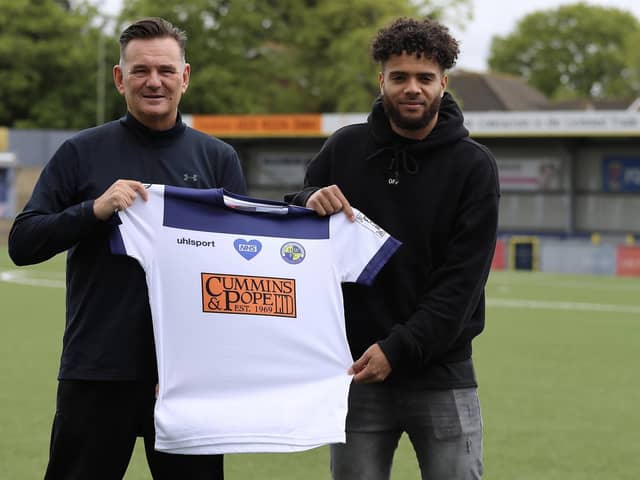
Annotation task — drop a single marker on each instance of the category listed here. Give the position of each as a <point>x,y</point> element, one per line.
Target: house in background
<point>489,92</point>
<point>497,92</point>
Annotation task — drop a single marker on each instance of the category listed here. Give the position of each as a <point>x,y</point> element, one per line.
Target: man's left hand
<point>371,367</point>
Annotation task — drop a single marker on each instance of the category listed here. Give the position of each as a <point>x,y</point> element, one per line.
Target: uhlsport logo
<point>195,243</point>
<point>247,295</point>
<point>248,249</point>
<point>292,252</point>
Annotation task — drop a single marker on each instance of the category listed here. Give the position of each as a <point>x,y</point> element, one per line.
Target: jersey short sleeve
<point>139,226</point>
<point>361,248</point>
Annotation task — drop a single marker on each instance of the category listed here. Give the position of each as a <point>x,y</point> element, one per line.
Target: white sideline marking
<point>504,281</point>
<point>22,277</point>
<point>550,305</point>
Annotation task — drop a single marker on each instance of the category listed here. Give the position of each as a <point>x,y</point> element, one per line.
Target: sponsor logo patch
<point>248,295</point>
<point>366,222</point>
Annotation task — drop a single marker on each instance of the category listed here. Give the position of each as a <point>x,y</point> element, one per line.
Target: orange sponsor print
<point>247,295</point>
<point>259,125</point>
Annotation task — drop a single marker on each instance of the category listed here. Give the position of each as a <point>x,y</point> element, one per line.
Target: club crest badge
<point>292,252</point>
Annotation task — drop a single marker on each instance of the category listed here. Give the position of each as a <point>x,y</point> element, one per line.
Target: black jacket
<point>108,330</point>
<point>439,196</point>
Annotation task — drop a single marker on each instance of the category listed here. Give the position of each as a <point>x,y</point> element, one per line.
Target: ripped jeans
<point>444,427</point>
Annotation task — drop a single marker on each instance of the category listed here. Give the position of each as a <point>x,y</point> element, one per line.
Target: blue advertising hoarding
<point>621,174</point>
<point>7,167</point>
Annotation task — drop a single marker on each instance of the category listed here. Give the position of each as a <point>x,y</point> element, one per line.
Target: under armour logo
<point>190,178</point>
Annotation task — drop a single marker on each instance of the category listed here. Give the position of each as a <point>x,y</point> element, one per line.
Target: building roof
<point>494,92</point>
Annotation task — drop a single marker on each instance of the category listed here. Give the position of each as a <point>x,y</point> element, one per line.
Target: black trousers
<point>95,429</point>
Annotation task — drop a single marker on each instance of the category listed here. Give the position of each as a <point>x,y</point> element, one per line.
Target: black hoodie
<point>439,196</point>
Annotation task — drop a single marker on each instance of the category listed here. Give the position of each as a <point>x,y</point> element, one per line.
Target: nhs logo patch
<point>248,249</point>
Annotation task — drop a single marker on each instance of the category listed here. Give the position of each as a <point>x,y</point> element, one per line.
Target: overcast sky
<point>491,17</point>
<point>499,17</point>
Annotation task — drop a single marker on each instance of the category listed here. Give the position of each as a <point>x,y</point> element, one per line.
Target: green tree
<point>573,51</point>
<point>331,47</point>
<point>248,56</point>
<point>270,56</point>
<point>47,64</point>
<point>631,73</point>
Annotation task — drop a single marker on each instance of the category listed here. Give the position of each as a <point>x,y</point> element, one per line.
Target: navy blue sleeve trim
<point>378,261</point>
<point>116,243</point>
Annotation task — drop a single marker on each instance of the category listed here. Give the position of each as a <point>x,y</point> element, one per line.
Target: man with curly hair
<point>413,169</point>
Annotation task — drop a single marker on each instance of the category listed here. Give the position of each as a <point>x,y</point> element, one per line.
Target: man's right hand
<point>329,200</point>
<point>118,196</point>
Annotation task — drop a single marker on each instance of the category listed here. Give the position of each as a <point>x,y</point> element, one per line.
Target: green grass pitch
<point>556,364</point>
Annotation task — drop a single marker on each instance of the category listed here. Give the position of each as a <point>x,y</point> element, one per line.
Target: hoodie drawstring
<point>401,161</point>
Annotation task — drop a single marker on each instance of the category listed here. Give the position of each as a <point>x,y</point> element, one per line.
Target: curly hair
<point>426,38</point>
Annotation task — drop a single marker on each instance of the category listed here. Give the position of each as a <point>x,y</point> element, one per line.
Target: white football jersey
<point>248,317</point>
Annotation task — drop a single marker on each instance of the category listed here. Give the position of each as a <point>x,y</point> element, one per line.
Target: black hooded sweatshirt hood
<point>404,152</point>
<point>449,127</point>
<point>439,197</point>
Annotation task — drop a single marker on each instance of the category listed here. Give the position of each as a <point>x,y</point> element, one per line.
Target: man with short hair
<point>108,373</point>
<point>413,170</point>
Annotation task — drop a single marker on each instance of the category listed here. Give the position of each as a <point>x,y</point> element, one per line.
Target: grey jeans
<point>444,427</point>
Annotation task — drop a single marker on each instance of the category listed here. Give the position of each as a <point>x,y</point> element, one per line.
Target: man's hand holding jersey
<point>119,196</point>
<point>329,200</point>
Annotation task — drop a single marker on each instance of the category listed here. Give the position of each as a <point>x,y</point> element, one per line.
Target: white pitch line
<point>550,305</point>
<point>504,282</point>
<point>22,277</point>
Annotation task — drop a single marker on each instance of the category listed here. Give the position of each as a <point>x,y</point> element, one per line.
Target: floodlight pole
<point>100,87</point>
<point>100,71</point>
